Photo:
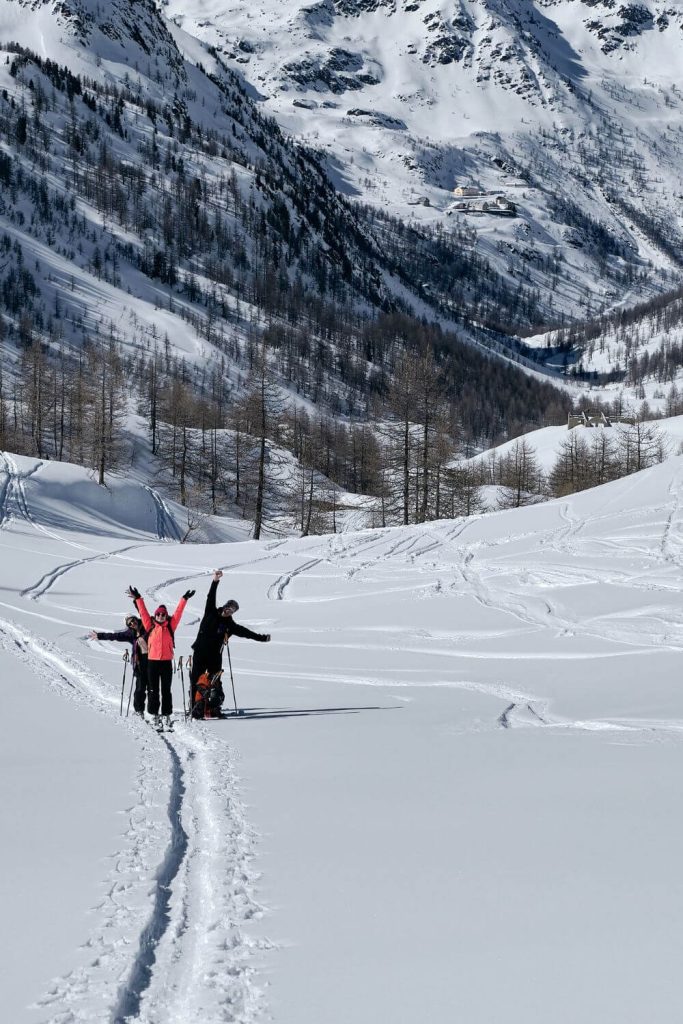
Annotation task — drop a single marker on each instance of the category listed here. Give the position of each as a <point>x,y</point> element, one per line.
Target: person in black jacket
<point>215,629</point>
<point>133,634</point>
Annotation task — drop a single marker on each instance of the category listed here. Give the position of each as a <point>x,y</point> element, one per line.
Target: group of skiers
<point>152,638</point>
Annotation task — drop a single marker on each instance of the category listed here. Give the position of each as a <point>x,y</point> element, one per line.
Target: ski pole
<point>182,685</point>
<point>234,698</point>
<point>188,666</point>
<point>123,681</point>
<point>130,693</point>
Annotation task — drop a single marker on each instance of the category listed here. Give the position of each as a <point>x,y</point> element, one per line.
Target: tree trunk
<point>260,487</point>
<point>103,425</point>
<point>406,472</point>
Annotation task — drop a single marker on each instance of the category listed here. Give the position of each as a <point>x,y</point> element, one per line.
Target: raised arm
<point>144,614</point>
<point>180,608</point>
<point>140,605</point>
<point>210,606</point>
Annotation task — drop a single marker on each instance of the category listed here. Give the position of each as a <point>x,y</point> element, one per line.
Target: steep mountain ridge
<point>569,108</point>
<point>125,31</point>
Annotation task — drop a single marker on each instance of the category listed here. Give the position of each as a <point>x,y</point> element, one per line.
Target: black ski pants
<point>159,674</point>
<point>140,691</point>
<point>205,661</point>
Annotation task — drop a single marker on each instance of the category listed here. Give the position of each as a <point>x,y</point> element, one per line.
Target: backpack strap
<point>161,625</point>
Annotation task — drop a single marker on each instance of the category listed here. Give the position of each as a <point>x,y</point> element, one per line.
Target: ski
<point>162,724</point>
<point>223,715</point>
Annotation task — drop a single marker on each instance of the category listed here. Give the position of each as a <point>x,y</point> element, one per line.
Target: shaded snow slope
<point>58,496</point>
<point>453,790</point>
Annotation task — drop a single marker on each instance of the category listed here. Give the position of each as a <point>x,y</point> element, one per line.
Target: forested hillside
<point>167,250</point>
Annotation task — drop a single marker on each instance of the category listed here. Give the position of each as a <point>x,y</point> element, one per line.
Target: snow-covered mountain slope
<point>639,350</point>
<point>467,732</point>
<point>105,40</point>
<point>127,85</point>
<point>150,208</point>
<point>547,442</point>
<point>569,109</point>
<point>68,498</point>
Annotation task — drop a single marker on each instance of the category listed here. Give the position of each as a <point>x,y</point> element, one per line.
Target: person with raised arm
<point>215,629</point>
<point>133,634</point>
<point>160,643</point>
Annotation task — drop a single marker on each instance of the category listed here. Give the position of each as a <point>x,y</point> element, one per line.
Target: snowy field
<point>454,794</point>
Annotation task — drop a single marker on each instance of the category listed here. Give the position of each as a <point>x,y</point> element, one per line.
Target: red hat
<point>160,609</point>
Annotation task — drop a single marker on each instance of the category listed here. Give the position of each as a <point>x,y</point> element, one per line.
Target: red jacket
<point>159,636</point>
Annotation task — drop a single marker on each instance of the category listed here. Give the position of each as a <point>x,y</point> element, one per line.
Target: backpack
<point>208,696</point>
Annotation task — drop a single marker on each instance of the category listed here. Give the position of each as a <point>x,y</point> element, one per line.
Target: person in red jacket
<point>160,644</point>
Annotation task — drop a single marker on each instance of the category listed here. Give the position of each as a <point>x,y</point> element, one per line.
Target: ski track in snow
<point>191,955</point>
<point>16,494</point>
<point>156,592</point>
<point>532,611</point>
<point>12,489</point>
<point>671,551</point>
<point>39,589</point>
<point>277,591</point>
<point>5,484</point>
<point>128,1006</point>
<point>167,528</point>
<point>529,610</point>
<point>539,612</point>
<point>204,959</point>
<point>524,713</point>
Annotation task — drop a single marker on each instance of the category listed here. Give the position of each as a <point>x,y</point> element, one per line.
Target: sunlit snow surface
<point>454,794</point>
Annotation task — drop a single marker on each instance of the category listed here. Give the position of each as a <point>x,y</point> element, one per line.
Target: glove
<point>188,594</point>
<point>133,592</point>
<point>266,638</point>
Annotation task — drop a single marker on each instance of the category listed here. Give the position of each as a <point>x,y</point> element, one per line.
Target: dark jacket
<point>214,627</point>
<point>129,636</point>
